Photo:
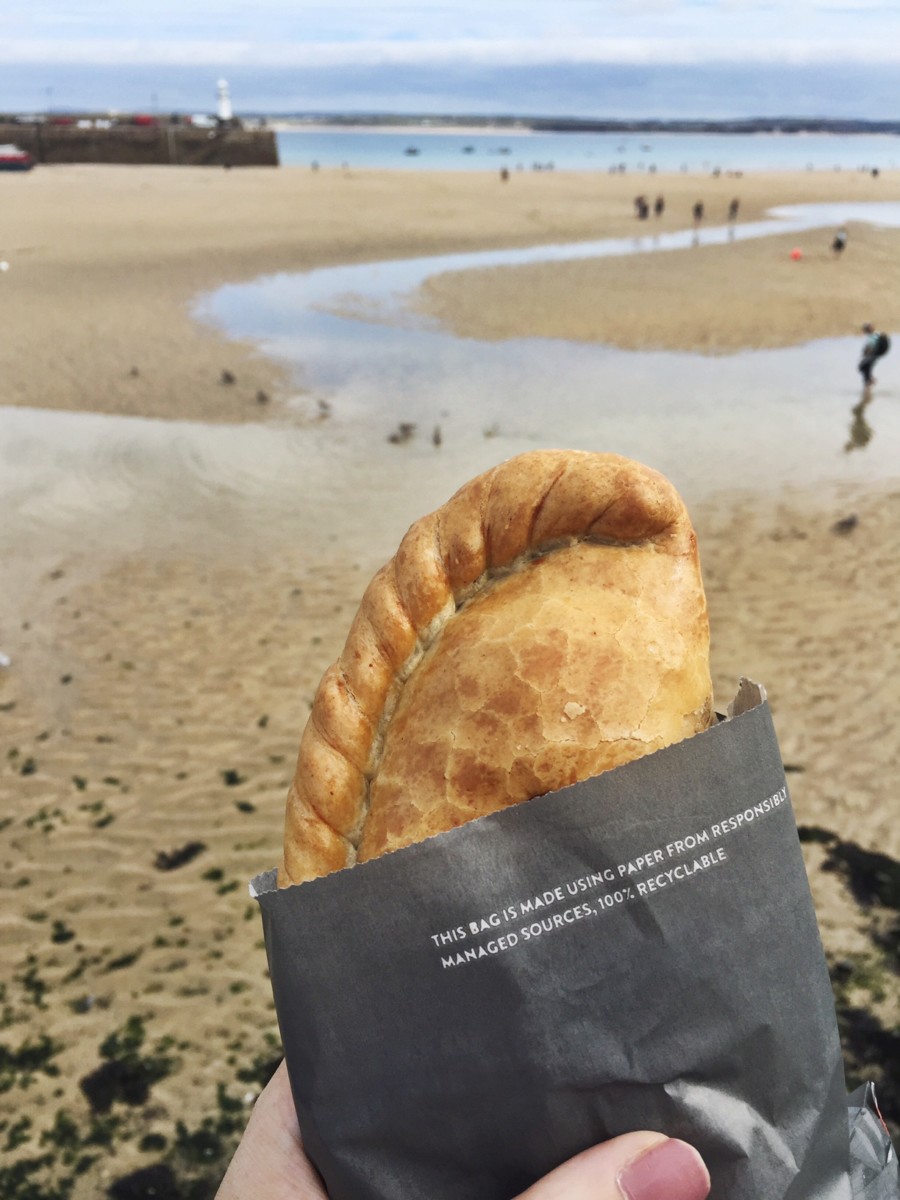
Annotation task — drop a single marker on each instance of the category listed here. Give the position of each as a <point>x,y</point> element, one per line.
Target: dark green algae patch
<point>865,982</point>
<point>186,1160</point>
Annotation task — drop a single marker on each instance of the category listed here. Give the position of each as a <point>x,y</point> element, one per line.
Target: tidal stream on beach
<point>755,421</point>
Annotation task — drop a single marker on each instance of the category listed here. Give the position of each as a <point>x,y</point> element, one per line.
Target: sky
<point>551,57</point>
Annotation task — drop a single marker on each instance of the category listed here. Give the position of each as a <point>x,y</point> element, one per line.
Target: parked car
<point>12,158</point>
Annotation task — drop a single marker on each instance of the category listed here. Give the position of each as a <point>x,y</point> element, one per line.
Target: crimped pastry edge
<point>523,508</point>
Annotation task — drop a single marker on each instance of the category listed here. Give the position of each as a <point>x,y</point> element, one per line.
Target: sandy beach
<point>158,685</point>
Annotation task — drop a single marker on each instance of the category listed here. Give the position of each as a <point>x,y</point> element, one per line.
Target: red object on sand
<point>796,254</point>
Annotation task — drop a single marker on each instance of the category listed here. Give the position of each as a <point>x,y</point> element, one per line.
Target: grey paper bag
<point>637,951</point>
<point>873,1162</point>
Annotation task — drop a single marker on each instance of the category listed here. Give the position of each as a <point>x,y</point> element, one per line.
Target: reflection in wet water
<point>860,429</point>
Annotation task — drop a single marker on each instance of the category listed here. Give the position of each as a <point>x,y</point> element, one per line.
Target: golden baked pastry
<point>544,625</point>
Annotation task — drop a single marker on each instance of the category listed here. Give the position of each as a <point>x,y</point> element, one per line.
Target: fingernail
<point>671,1170</point>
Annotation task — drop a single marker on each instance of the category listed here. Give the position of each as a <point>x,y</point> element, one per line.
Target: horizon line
<point>374,116</point>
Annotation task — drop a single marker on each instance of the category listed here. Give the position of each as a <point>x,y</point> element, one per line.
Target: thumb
<point>636,1166</point>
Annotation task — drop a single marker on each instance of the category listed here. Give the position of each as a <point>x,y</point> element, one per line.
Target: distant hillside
<point>787,125</point>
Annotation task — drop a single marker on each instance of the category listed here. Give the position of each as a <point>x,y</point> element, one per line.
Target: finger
<point>270,1161</point>
<point>636,1166</point>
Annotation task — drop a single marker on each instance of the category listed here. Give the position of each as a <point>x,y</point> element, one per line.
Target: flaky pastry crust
<point>546,624</point>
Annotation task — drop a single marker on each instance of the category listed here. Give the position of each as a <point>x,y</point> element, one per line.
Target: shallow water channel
<point>755,420</point>
<point>782,415</point>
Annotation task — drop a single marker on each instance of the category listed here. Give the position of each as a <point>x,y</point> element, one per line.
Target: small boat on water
<point>14,159</point>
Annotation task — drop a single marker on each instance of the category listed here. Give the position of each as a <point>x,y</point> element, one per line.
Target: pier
<point>160,142</point>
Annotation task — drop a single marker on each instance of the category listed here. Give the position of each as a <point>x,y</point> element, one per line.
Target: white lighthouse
<point>223,101</point>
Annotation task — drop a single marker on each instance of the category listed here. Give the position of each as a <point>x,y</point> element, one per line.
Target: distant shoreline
<point>509,126</point>
<point>417,130</point>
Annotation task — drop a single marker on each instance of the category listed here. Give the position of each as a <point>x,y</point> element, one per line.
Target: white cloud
<point>347,32</point>
<point>494,52</point>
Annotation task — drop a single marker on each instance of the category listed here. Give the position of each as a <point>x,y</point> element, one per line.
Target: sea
<point>518,150</point>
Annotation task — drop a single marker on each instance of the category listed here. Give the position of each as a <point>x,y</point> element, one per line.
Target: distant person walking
<point>698,212</point>
<point>876,346</point>
<point>840,241</point>
<point>641,208</point>
<point>659,206</point>
<point>734,209</point>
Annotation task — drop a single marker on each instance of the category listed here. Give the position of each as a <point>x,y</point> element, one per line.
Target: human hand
<point>270,1162</point>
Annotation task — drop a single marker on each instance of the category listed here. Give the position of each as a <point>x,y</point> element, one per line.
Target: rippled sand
<point>153,712</point>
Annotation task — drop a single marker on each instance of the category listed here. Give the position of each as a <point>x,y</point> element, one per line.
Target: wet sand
<point>159,684</point>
